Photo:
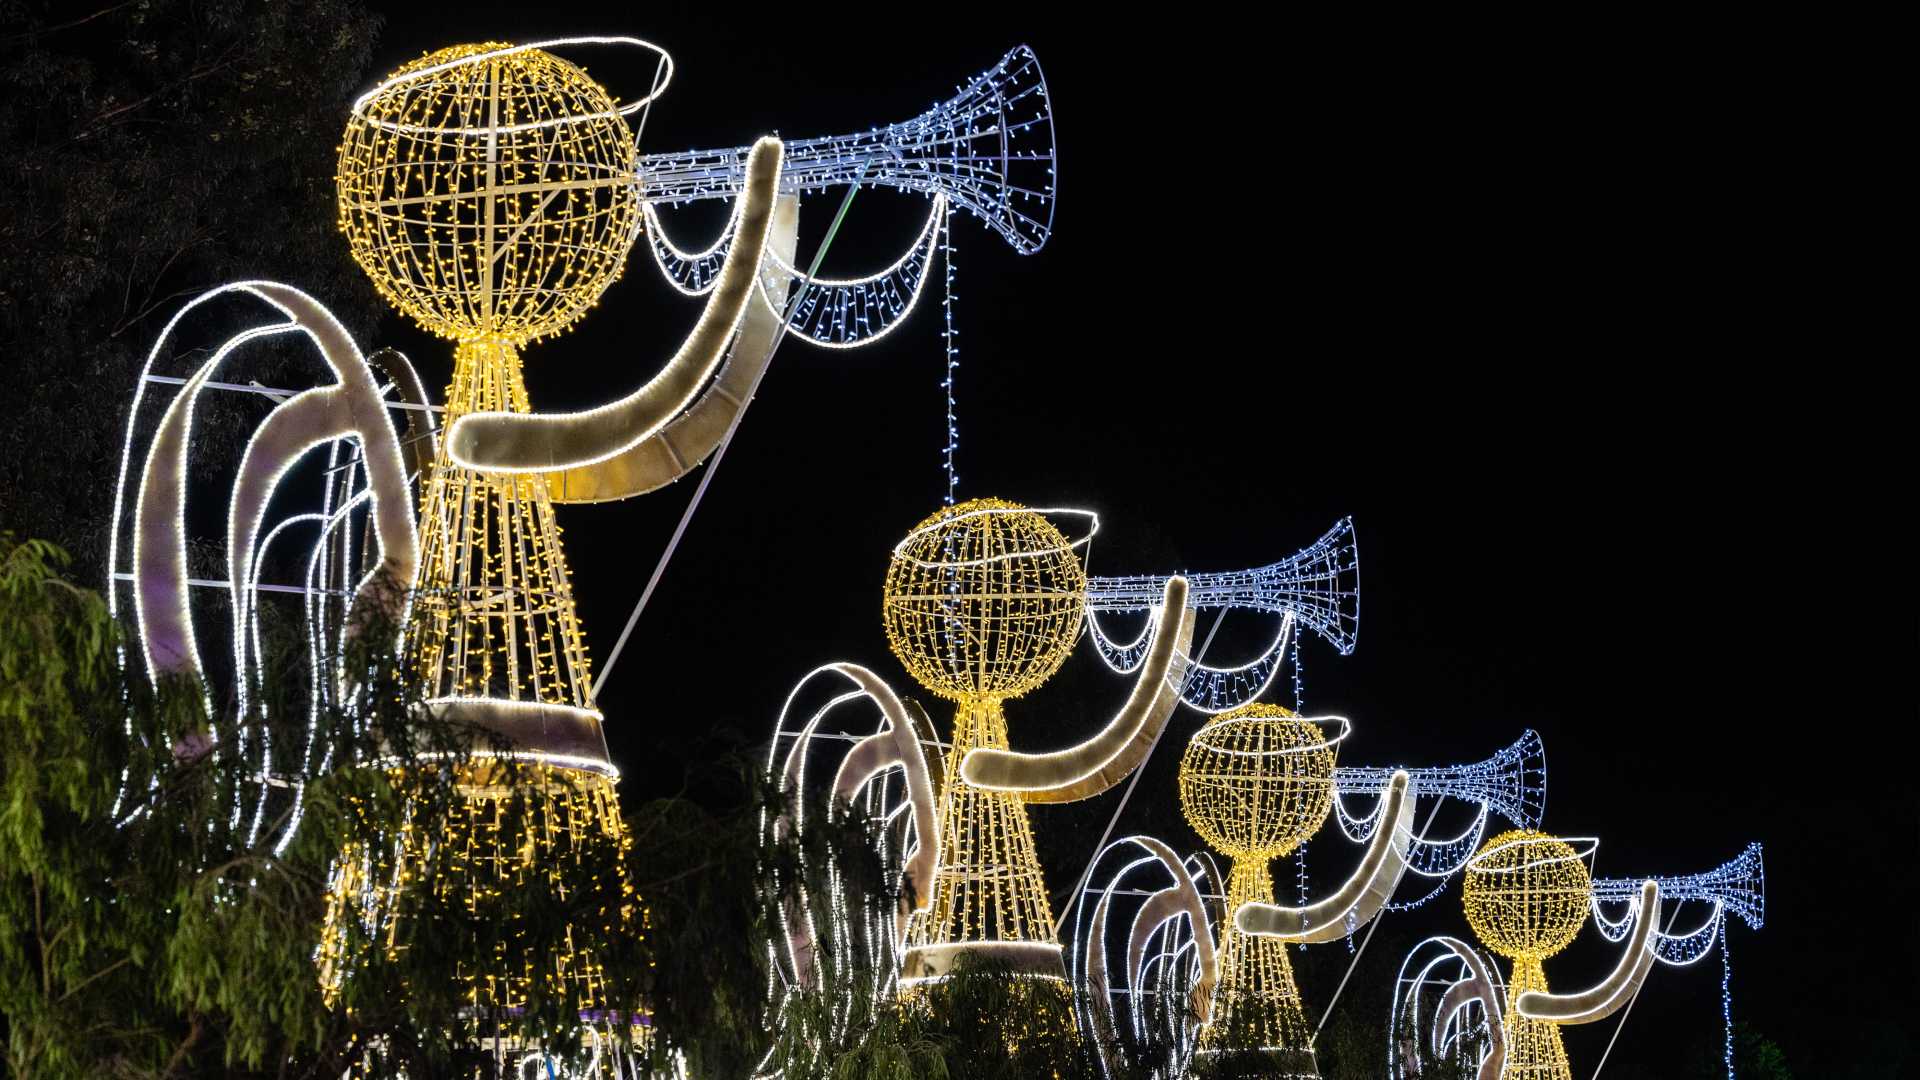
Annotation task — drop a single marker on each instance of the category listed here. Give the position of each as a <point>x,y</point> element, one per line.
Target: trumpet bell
<point>988,149</point>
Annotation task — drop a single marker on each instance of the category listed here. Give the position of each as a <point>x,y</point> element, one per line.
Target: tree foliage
<point>147,929</point>
<point>153,149</point>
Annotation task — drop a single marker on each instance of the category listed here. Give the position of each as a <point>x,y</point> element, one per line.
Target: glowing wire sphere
<point>1257,781</point>
<point>984,600</point>
<point>1527,894</point>
<point>488,191</point>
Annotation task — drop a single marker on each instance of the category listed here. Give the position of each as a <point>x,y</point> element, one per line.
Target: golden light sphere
<point>489,198</point>
<point>1527,894</point>
<point>1257,781</point>
<point>984,600</point>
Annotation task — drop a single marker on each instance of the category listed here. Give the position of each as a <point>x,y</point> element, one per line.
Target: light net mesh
<point>984,600</point>
<point>1255,783</point>
<point>1527,895</point>
<point>489,198</point>
<point>493,615</point>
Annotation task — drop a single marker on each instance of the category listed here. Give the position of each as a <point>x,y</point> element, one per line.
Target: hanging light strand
<point>953,355</point>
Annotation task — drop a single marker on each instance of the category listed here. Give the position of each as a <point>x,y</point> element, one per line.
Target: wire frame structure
<point>1526,895</point>
<point>1143,950</point>
<point>1448,1000</point>
<point>1736,887</point>
<point>1255,783</point>
<point>983,601</point>
<point>1316,588</point>
<point>989,149</point>
<point>486,190</point>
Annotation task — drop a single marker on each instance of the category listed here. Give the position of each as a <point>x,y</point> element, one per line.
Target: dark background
<point>1565,315</point>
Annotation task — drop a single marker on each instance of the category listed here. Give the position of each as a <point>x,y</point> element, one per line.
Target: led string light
<point>983,602</point>
<point>892,787</point>
<point>1319,588</point>
<point>1511,783</point>
<point>350,409</point>
<point>1428,980</point>
<point>1138,941</point>
<point>1208,688</point>
<point>952,351</point>
<point>1726,1000</point>
<point>1740,884</point>
<point>690,273</point>
<point>1526,896</point>
<point>833,313</point>
<point>493,200</point>
<point>488,192</point>
<point>497,249</point>
<point>1736,887</point>
<point>1255,784</point>
<point>374,107</point>
<point>847,313</point>
<point>989,150</point>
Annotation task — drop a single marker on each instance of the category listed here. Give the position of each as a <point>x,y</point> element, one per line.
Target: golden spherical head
<point>984,600</point>
<point>1258,780</point>
<point>1527,894</point>
<point>489,192</point>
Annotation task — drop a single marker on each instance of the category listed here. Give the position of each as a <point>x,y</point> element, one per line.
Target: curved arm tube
<point>530,442</point>
<point>160,542</point>
<point>421,442</point>
<point>799,935</point>
<point>563,734</point>
<point>1182,897</point>
<point>928,735</point>
<point>351,406</point>
<point>1361,897</point>
<point>1612,993</point>
<point>1478,984</point>
<point>898,745</point>
<point>693,436</point>
<point>1101,1004</point>
<point>1110,756</point>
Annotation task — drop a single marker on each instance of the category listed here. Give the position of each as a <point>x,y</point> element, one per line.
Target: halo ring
<point>1477,864</point>
<point>360,103</point>
<point>1344,728</point>
<point>1093,529</point>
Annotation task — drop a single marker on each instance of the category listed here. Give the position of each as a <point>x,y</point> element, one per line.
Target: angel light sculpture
<point>1527,895</point>
<point>484,189</point>
<point>1255,783</point>
<point>983,602</point>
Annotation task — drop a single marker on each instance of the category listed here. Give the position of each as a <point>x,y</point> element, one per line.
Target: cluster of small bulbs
<point>484,849</point>
<point>983,602</point>
<point>491,198</point>
<point>1526,895</point>
<point>494,611</point>
<point>1256,783</point>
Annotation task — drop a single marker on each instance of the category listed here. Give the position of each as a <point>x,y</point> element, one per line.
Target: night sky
<point>1543,308</point>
